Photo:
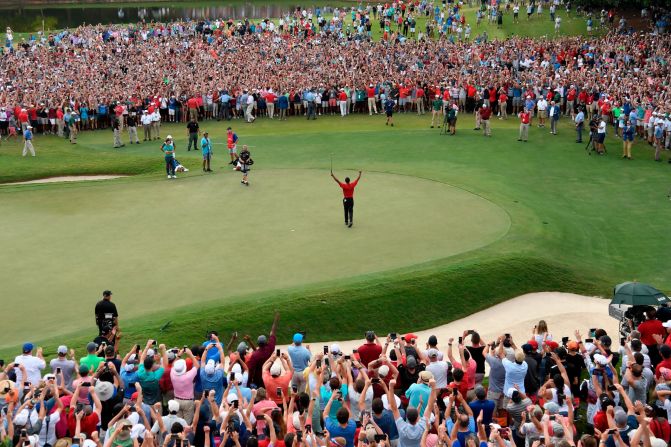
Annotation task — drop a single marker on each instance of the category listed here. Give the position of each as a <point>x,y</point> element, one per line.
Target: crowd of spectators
<point>395,390</point>
<point>310,63</point>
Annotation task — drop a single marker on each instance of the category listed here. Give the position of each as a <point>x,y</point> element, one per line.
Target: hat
<point>667,324</point>
<point>104,390</point>
<point>552,344</point>
<point>21,418</point>
<point>298,338</point>
<point>242,346</point>
<point>426,376</point>
<point>171,356</point>
<point>657,442</point>
<point>169,137</point>
<point>232,397</point>
<point>527,348</point>
<point>179,366</point>
<point>383,370</point>
<point>151,352</point>
<point>335,348</point>
<point>275,369</point>
<point>49,376</point>
<point>512,393</point>
<point>480,392</point>
<point>83,370</point>
<point>620,417</point>
<point>557,430</point>
<point>432,352</point>
<point>132,359</point>
<point>209,367</point>
<point>27,347</point>
<point>62,349</point>
<point>534,344</point>
<point>437,96</point>
<point>91,347</point>
<point>262,340</point>
<point>7,390</point>
<point>665,373</point>
<point>528,96</point>
<point>572,345</point>
<point>411,362</point>
<point>134,396</point>
<point>410,336</point>
<point>173,406</point>
<point>551,407</point>
<point>129,367</point>
<point>600,359</point>
<point>28,127</point>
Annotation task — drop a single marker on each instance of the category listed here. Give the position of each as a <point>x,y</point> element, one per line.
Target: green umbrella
<point>638,294</point>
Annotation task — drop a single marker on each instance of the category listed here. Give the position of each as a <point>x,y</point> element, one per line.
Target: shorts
<point>452,122</point>
<point>233,150</point>
<point>332,102</point>
<point>206,156</point>
<point>543,114</point>
<point>600,137</point>
<point>52,121</point>
<point>171,112</point>
<point>389,114</point>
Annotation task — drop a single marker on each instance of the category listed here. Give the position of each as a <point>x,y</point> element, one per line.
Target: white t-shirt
<point>33,366</point>
<point>354,401</point>
<point>439,371</point>
<point>50,437</point>
<point>602,127</point>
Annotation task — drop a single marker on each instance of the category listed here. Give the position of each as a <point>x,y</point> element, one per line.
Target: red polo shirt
<point>369,352</point>
<point>348,189</point>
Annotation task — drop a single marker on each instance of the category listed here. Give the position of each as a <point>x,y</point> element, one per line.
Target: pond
<point>52,18</point>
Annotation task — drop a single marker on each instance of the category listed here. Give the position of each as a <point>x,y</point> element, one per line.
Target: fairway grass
<point>578,223</point>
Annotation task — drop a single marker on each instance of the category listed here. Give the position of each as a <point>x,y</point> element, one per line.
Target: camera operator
<point>106,314</point>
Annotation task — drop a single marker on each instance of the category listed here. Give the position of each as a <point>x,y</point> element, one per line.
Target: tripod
<point>445,130</point>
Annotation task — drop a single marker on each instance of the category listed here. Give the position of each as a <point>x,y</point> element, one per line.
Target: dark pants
<point>578,131</point>
<point>348,205</point>
<point>193,138</point>
<point>170,165</point>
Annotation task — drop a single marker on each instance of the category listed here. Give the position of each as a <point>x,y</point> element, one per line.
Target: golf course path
<point>68,178</point>
<point>563,312</point>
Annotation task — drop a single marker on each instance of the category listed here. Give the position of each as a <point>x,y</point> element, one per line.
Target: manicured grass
<point>209,234</point>
<point>579,223</point>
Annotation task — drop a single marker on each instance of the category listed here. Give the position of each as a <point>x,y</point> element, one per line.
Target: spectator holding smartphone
<point>277,374</point>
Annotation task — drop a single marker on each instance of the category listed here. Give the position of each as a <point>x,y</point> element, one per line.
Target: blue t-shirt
<point>216,382</point>
<point>335,430</point>
<point>387,424</point>
<point>212,353</point>
<point>326,392</point>
<point>300,357</point>
<point>418,391</point>
<point>28,134</point>
<point>487,408</point>
<point>128,379</point>
<point>205,145</point>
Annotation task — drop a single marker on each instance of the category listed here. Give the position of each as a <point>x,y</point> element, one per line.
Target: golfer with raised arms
<point>348,197</point>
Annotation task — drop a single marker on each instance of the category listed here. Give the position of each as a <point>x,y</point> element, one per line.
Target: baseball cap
<point>173,406</point>
<point>179,366</point>
<point>27,347</point>
<point>667,324</point>
<point>91,346</point>
<point>411,362</point>
<point>432,352</point>
<point>275,370</point>
<point>335,348</point>
<point>62,349</point>
<point>410,336</point>
<point>298,338</point>
<point>534,344</point>
<point>383,371</point>
<point>83,370</point>
<point>262,340</point>
<point>572,345</point>
<point>425,376</point>
<point>209,367</point>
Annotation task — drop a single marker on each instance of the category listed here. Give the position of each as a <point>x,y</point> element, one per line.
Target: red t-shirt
<point>420,92</point>
<point>524,117</point>
<point>485,113</point>
<point>348,189</point>
<point>370,92</point>
<point>89,423</point>
<point>601,421</point>
<point>648,328</point>
<point>369,352</point>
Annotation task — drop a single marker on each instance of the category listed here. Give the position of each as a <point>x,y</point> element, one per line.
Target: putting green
<point>161,244</point>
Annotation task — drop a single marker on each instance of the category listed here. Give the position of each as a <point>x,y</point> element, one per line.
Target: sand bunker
<point>563,312</point>
<point>68,178</point>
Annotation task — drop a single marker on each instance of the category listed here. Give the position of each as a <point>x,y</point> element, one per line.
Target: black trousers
<point>348,205</point>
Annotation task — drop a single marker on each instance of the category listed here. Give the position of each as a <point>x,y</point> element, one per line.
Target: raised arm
<point>273,329</point>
